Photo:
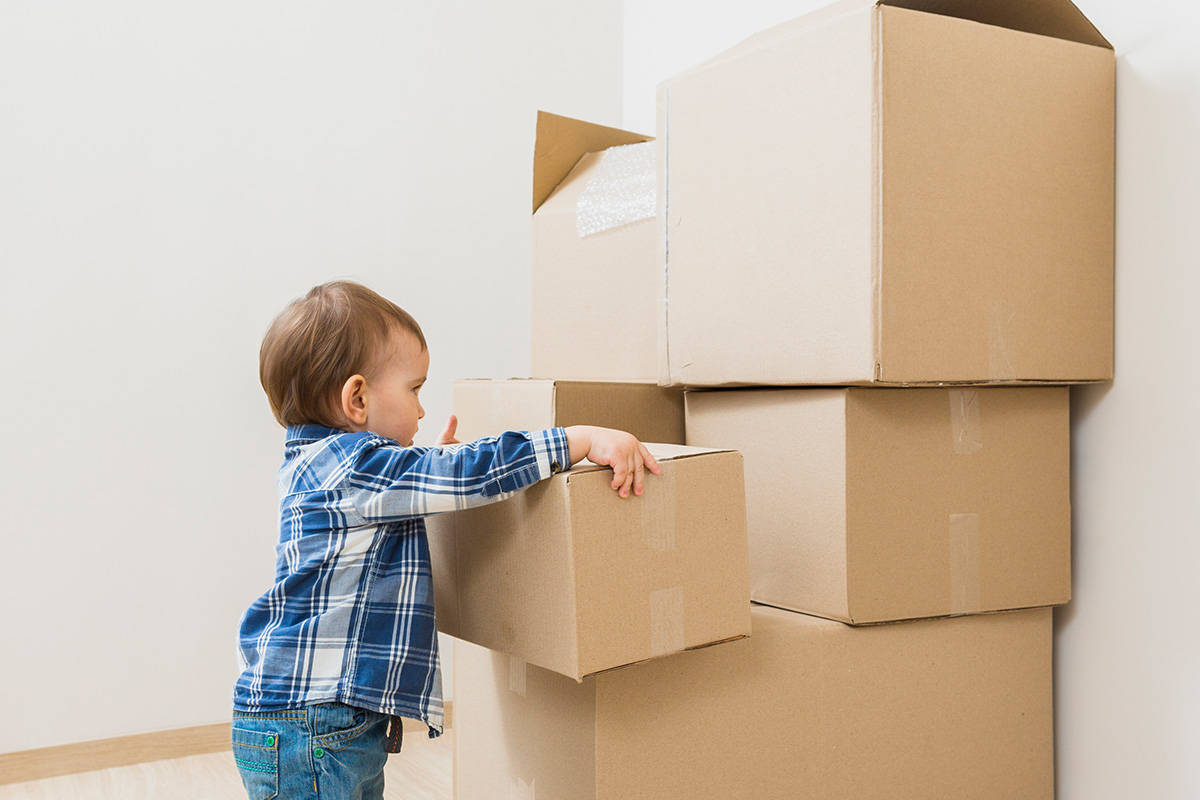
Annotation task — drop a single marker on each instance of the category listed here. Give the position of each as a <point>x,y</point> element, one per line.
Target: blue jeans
<point>330,751</point>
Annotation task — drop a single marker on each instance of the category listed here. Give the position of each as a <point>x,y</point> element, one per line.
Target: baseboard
<point>123,751</point>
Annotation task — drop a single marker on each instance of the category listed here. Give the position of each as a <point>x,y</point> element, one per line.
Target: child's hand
<point>628,457</point>
<point>447,436</point>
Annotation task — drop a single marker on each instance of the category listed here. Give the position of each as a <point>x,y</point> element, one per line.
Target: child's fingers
<point>651,464</point>
<point>451,427</point>
<point>629,475</point>
<point>620,468</point>
<point>639,475</point>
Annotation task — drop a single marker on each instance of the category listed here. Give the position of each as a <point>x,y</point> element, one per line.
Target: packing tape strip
<point>965,426</point>
<point>964,564</point>
<point>658,511</point>
<point>520,790</point>
<point>1001,316</point>
<point>622,189</point>
<point>516,676</point>
<point>666,621</point>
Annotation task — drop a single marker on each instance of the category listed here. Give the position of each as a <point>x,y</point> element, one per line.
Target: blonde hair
<point>337,330</point>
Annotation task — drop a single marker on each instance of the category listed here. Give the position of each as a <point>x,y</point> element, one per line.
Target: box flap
<point>1057,18</point>
<point>561,142</point>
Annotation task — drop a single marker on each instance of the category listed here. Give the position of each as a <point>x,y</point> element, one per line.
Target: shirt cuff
<point>552,451</point>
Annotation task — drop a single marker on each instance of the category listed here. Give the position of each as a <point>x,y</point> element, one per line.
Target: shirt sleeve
<point>390,482</point>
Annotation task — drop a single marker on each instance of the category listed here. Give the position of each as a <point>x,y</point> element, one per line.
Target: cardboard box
<point>488,407</point>
<point>896,193</point>
<point>870,504</point>
<point>804,709</point>
<point>573,578</point>
<point>595,262</point>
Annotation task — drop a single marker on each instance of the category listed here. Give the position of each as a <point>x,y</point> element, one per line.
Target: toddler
<point>344,642</point>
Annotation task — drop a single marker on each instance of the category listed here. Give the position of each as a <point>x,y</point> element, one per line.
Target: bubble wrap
<point>620,191</point>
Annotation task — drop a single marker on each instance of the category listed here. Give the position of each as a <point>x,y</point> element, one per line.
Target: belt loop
<point>395,734</point>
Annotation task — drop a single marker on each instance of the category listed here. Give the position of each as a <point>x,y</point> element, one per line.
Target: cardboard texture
<point>892,195</point>
<point>871,505</point>
<point>489,407</point>
<point>573,578</point>
<point>593,297</point>
<point>804,708</point>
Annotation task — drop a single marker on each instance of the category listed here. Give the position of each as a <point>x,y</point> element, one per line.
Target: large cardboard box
<point>569,576</point>
<point>490,407</point>
<point>871,504</point>
<point>898,192</point>
<point>805,709</point>
<point>594,279</point>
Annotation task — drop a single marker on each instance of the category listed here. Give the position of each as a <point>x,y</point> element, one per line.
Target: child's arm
<point>393,483</point>
<point>628,457</point>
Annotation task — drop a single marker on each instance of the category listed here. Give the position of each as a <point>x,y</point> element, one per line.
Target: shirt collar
<point>306,432</point>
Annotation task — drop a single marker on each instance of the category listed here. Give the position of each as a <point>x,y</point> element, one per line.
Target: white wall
<point>171,174</point>
<point>1127,647</point>
<point>1128,653</point>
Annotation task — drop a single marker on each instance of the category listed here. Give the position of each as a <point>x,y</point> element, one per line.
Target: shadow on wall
<point>1128,431</point>
<point>1158,219</point>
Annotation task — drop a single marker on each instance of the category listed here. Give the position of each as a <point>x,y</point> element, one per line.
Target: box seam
<point>877,193</point>
<point>576,668</point>
<point>666,312</point>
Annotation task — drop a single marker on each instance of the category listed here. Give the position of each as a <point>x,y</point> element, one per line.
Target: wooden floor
<point>422,772</point>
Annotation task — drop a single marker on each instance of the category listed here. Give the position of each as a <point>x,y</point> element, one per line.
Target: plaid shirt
<point>350,617</point>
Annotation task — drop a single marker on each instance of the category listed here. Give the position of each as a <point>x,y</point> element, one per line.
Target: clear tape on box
<point>966,428</point>
<point>520,790</point>
<point>666,621</point>
<point>966,434</point>
<point>516,676</point>
<point>1002,316</point>
<point>621,190</point>
<point>964,564</point>
<point>658,512</point>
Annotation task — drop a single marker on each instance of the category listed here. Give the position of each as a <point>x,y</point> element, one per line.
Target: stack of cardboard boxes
<point>875,242</point>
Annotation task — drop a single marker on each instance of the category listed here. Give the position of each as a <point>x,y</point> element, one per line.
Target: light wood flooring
<point>423,771</point>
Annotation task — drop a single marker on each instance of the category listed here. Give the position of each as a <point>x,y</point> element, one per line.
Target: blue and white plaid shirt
<point>350,617</point>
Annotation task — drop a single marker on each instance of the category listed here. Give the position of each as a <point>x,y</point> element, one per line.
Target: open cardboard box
<point>595,261</point>
<point>895,192</point>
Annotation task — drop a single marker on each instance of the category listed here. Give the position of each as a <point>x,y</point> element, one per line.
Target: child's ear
<point>354,400</point>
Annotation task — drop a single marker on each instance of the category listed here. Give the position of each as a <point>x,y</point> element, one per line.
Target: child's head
<point>323,352</point>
